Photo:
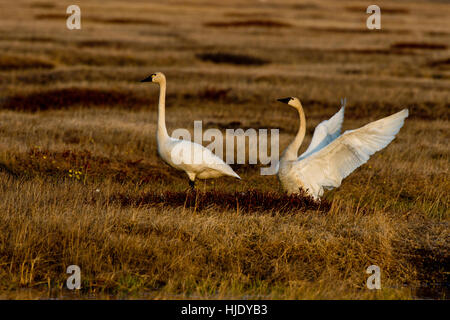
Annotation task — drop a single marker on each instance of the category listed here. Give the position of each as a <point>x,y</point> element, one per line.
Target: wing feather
<point>326,132</point>
<point>327,167</point>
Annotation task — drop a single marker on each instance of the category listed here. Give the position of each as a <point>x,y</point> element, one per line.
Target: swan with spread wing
<point>331,156</point>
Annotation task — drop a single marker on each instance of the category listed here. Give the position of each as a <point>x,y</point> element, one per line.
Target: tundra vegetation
<point>81,182</point>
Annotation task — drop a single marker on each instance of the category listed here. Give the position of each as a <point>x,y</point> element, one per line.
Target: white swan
<point>332,157</point>
<point>197,161</point>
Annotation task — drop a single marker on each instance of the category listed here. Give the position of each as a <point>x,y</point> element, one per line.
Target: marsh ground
<point>77,138</point>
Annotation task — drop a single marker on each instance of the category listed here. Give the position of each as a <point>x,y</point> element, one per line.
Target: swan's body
<point>197,161</point>
<point>332,157</point>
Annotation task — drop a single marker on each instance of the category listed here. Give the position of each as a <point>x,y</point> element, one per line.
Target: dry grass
<point>81,182</point>
<point>9,63</point>
<point>68,97</point>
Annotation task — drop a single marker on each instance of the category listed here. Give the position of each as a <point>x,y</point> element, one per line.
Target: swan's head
<point>292,101</point>
<point>157,77</point>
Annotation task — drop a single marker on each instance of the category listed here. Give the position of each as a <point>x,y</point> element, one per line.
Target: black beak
<point>148,79</point>
<point>285,100</point>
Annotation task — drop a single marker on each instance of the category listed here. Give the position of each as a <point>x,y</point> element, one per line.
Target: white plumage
<point>325,132</point>
<point>197,161</point>
<point>330,157</point>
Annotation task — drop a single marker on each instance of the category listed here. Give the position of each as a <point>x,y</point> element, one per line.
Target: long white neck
<point>290,154</point>
<point>162,131</point>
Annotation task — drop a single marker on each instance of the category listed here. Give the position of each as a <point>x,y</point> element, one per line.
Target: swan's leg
<point>191,180</point>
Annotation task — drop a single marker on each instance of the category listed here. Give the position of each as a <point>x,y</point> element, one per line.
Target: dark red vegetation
<point>248,201</point>
<point>419,45</point>
<point>248,23</point>
<point>232,58</point>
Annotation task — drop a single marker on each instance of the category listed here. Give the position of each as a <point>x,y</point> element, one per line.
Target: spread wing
<point>325,133</point>
<point>327,167</point>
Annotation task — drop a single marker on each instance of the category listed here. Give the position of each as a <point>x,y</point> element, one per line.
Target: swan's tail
<point>228,171</point>
<point>233,174</point>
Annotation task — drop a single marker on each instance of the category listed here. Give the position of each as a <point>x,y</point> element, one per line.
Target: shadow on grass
<point>248,201</point>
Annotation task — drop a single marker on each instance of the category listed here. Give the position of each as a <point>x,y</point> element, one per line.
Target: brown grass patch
<point>65,98</point>
<point>423,110</point>
<point>437,33</point>
<point>388,10</point>
<point>51,16</point>
<point>13,62</point>
<point>338,30</point>
<point>305,6</point>
<point>116,44</point>
<point>215,94</point>
<point>440,63</point>
<point>45,163</point>
<point>57,75</point>
<point>249,23</point>
<point>131,21</point>
<point>95,59</point>
<point>102,44</point>
<point>64,76</point>
<point>248,201</point>
<point>31,39</point>
<point>239,125</point>
<point>236,14</point>
<point>42,5</point>
<point>122,21</point>
<point>212,94</point>
<point>367,51</point>
<point>361,30</point>
<point>232,58</point>
<point>419,45</point>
